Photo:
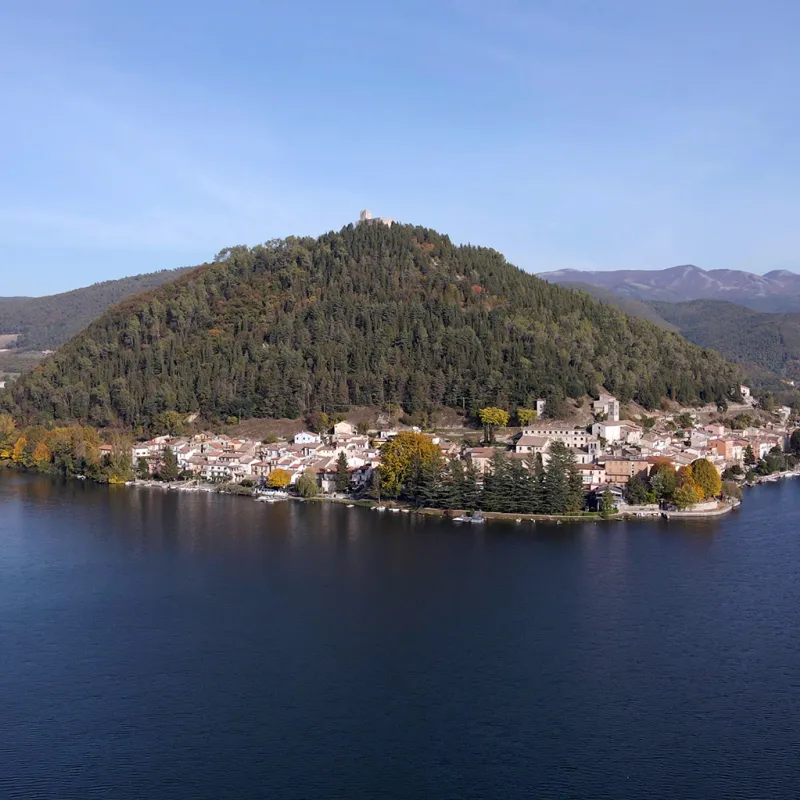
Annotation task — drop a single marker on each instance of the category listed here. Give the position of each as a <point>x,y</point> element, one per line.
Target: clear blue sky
<point>600,134</point>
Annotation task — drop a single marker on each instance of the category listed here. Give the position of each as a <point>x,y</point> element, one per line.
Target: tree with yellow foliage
<point>42,456</point>
<point>408,453</point>
<point>279,479</point>
<point>706,477</point>
<point>525,416</point>
<point>492,418</point>
<point>688,492</point>
<point>18,454</point>
<point>8,436</point>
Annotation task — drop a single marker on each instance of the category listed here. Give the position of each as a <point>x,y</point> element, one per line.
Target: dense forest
<point>630,305</point>
<point>371,315</point>
<point>47,322</point>
<point>755,339</point>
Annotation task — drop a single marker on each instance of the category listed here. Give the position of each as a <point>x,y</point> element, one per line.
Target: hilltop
<point>370,315</point>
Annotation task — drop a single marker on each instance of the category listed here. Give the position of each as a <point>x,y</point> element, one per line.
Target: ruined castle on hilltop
<point>366,216</point>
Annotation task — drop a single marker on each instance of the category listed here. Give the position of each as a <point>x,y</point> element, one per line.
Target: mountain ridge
<point>778,290</point>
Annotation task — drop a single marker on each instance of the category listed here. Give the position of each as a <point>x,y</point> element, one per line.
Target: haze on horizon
<point>566,135</point>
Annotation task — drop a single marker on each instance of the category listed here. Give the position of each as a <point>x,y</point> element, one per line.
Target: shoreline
<point>721,510</point>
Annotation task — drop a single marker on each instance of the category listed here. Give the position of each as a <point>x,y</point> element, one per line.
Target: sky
<point>607,134</point>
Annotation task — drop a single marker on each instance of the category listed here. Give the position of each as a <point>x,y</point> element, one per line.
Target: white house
<point>531,444</point>
<point>572,437</point>
<point>344,428</point>
<point>306,437</point>
<point>610,431</point>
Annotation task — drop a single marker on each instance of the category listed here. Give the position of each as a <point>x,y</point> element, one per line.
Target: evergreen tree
<point>342,480</point>
<point>169,470</point>
<point>535,484</point>
<point>471,492</point>
<point>557,492</point>
<point>606,504</point>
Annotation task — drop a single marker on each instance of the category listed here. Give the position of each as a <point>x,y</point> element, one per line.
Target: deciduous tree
<point>403,454</point>
<point>279,478</point>
<point>492,418</point>
<point>706,478</point>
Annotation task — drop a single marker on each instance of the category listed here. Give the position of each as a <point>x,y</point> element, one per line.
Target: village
<point>610,453</point>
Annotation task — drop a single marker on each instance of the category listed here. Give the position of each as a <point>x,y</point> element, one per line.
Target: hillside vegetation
<point>47,322</point>
<point>754,339</point>
<point>370,315</point>
<point>630,305</point>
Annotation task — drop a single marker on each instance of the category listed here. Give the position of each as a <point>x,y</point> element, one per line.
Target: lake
<point>163,645</point>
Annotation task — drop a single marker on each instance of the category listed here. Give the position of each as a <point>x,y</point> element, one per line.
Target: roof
<point>527,440</point>
<point>482,452</point>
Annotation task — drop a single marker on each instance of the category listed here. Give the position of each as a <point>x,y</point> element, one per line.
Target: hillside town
<point>609,454</point>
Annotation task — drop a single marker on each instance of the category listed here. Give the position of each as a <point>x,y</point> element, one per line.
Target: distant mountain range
<point>776,291</point>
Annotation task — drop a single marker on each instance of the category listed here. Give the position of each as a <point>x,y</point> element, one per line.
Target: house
<point>539,406</point>
<point>592,475</point>
<point>582,455</point>
<point>344,428</point>
<point>610,431</point>
<point>715,429</point>
<point>531,444</point>
<point>481,457</point>
<point>724,448</point>
<point>745,390</point>
<point>631,433</point>
<point>572,437</point>
<point>620,471</point>
<point>306,437</point>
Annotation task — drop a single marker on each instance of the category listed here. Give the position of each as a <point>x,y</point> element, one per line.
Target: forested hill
<point>47,322</point>
<point>370,315</point>
<point>757,340</point>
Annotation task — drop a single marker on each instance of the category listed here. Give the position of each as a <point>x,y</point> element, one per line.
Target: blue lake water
<point>159,645</point>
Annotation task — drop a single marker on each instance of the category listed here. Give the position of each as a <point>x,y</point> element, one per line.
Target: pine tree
<point>471,493</point>
<point>452,484</point>
<point>169,469</point>
<point>556,485</point>
<point>342,480</point>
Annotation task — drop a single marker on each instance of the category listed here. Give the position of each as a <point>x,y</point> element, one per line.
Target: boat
<point>379,508</point>
<point>518,519</point>
<point>477,519</point>
<point>462,518</point>
<point>350,505</point>
<point>395,510</point>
